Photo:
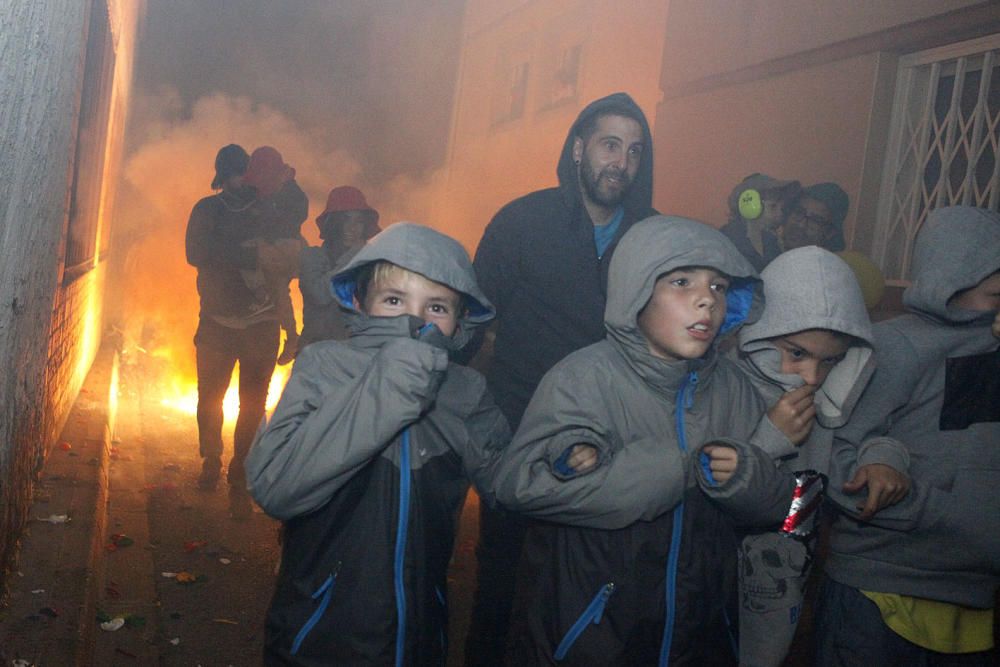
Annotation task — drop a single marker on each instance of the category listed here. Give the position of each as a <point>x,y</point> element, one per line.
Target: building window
<point>511,91</point>
<point>561,83</point>
<point>91,147</point>
<point>944,144</point>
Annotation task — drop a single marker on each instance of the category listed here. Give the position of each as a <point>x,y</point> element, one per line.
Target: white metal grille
<point>943,145</point>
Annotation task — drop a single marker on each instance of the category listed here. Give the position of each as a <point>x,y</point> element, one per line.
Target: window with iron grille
<point>943,144</point>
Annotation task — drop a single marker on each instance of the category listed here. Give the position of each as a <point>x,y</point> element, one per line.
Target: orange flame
<point>181,394</point>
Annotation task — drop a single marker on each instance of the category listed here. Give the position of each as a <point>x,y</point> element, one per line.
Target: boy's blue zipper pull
<point>592,614</point>
<point>692,384</point>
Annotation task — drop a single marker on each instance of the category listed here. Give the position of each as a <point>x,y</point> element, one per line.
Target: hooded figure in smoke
<point>231,327</point>
<point>344,226</point>
<point>543,262</point>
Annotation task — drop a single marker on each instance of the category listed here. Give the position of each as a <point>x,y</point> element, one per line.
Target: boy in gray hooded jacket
<point>810,356</point>
<point>367,459</point>
<point>923,592</point>
<point>633,565</point>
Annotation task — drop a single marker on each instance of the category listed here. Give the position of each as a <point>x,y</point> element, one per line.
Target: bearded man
<point>543,262</point>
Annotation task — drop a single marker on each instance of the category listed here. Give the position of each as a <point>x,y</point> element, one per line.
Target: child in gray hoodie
<point>367,459</point>
<point>810,357</point>
<point>634,565</point>
<point>923,591</point>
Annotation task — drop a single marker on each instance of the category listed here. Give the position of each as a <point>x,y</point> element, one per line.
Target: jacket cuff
<point>769,438</point>
<point>886,451</point>
<point>557,453</point>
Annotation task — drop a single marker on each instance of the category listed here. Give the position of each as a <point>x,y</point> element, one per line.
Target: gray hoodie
<point>299,460</point>
<point>664,550</point>
<point>618,397</point>
<point>950,549</point>
<point>367,460</point>
<point>811,288</point>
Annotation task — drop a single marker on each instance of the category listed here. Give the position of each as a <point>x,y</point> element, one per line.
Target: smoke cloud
<point>171,167</point>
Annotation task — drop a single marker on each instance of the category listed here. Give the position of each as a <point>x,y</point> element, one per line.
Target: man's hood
<point>811,288</point>
<point>431,254</point>
<point>656,246</point>
<point>639,199</point>
<point>958,247</point>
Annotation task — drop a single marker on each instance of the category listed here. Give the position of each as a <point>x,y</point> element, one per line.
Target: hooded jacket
<point>811,288</point>
<point>538,264</point>
<point>935,390</point>
<point>367,459</point>
<point>321,315</point>
<point>591,586</point>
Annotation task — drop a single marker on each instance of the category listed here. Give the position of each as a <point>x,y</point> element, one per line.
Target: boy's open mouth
<point>701,330</point>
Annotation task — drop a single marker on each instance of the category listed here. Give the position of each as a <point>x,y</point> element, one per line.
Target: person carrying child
<point>923,592</point>
<point>367,459</point>
<point>344,226</point>
<point>231,329</point>
<point>281,207</point>
<point>810,356</point>
<point>634,565</point>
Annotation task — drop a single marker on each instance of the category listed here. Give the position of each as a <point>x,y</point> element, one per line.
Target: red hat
<point>344,198</point>
<point>267,171</point>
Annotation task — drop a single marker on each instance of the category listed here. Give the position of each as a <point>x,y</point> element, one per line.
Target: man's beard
<point>591,183</point>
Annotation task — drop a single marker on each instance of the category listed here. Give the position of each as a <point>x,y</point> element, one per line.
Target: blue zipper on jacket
<point>326,591</point>
<point>685,399</point>
<point>592,614</point>
<point>404,514</point>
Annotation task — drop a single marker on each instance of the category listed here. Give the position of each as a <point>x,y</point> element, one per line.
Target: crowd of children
<point>676,473</point>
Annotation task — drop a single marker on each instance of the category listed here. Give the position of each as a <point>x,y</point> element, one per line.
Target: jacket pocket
<point>592,614</point>
<point>323,595</point>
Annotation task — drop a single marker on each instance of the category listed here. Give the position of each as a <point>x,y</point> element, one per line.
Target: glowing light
<point>182,394</point>
<point>89,336</point>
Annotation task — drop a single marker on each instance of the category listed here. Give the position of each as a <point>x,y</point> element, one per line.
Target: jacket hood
<point>811,288</point>
<point>639,199</point>
<point>431,254</point>
<point>958,247</point>
<point>656,246</point>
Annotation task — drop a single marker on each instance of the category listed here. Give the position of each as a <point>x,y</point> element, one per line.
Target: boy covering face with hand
<point>368,455</point>
<point>810,356</point>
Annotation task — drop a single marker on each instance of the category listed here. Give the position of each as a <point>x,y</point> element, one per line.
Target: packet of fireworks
<point>801,520</point>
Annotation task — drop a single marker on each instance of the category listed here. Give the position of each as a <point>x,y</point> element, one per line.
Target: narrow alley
<point>535,134</point>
